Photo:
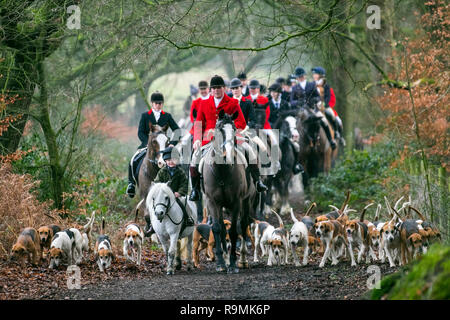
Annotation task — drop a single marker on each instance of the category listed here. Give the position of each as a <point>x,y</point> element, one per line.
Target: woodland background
<point>70,99</point>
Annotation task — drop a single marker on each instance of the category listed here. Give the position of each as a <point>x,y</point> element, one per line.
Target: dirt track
<point>260,282</point>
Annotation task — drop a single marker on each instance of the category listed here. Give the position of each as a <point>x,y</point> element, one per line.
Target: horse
<point>315,150</point>
<point>265,201</point>
<point>167,217</point>
<point>157,141</point>
<point>286,127</point>
<point>226,185</point>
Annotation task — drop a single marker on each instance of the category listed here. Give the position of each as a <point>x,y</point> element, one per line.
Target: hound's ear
<point>235,115</point>
<point>96,256</point>
<point>113,257</point>
<point>221,113</point>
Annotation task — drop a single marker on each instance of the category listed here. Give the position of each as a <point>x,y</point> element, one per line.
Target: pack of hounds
<point>334,235</point>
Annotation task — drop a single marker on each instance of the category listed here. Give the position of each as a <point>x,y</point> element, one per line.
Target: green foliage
<point>364,173</point>
<point>426,278</point>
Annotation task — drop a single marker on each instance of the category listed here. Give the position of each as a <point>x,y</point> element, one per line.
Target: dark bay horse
<point>226,187</point>
<point>315,150</point>
<point>283,177</point>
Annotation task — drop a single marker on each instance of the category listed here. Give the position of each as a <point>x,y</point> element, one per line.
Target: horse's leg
<point>189,251</point>
<point>243,262</point>
<point>233,237</point>
<point>178,256</point>
<point>171,253</point>
<point>217,232</point>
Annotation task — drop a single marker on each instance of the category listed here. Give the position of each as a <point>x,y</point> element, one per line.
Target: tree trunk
<point>56,170</point>
<point>20,83</point>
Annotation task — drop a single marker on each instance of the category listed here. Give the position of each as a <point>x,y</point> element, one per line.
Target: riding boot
<point>148,229</point>
<point>131,189</point>
<point>328,134</point>
<point>195,180</point>
<point>254,172</point>
<point>297,165</point>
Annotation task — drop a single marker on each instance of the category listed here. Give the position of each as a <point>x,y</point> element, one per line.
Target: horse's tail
<point>279,219</point>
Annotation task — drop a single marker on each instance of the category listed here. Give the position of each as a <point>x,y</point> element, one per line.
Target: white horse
<point>166,217</point>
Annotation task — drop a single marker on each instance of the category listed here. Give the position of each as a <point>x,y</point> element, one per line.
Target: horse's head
<point>289,128</point>
<point>226,128</point>
<point>158,141</point>
<point>311,126</point>
<point>260,115</point>
<point>162,199</point>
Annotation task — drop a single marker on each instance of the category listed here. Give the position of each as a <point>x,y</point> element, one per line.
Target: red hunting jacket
<point>207,114</point>
<point>261,100</point>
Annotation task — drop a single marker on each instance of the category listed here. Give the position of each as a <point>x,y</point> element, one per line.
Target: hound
<point>27,245</point>
<point>299,236</point>
<point>67,247</point>
<point>103,250</point>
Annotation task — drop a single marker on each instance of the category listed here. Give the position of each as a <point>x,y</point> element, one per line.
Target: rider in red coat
<point>206,117</point>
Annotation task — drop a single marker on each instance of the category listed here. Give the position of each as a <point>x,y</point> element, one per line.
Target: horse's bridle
<point>167,207</point>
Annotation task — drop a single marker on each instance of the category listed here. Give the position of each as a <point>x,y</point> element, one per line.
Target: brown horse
<point>157,141</point>
<point>226,186</point>
<point>315,150</point>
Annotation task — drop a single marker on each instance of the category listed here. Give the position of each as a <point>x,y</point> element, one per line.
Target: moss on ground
<point>426,278</point>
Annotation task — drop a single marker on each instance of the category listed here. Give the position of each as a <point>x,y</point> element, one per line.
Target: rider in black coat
<point>147,118</point>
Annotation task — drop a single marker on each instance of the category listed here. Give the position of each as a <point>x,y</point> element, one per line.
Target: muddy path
<point>259,282</point>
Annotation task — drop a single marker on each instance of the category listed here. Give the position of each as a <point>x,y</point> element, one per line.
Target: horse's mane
<point>284,115</point>
<point>165,188</point>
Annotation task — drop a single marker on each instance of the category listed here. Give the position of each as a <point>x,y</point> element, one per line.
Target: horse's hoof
<point>220,269</point>
<point>170,273</point>
<point>233,270</point>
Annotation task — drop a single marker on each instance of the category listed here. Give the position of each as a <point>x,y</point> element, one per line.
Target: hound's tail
<point>418,213</point>
<point>361,219</point>
<point>347,198</point>
<point>310,208</point>
<point>279,219</point>
<point>205,215</point>
<point>377,213</point>
<point>102,227</point>
<point>136,213</point>
<point>88,226</point>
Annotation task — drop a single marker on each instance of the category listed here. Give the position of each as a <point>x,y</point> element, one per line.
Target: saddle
<point>187,219</point>
<point>136,162</point>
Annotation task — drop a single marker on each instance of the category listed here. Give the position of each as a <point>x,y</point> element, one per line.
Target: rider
<point>246,105</point>
<point>204,94</point>
<point>175,177</point>
<point>305,94</point>
<point>277,106</point>
<point>276,103</point>
<point>156,116</point>
<point>243,77</point>
<point>207,116</point>
<point>329,100</point>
